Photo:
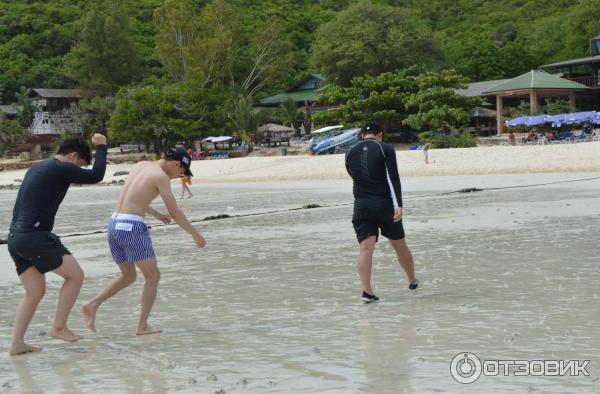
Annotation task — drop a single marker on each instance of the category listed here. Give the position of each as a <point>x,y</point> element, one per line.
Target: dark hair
<point>77,145</point>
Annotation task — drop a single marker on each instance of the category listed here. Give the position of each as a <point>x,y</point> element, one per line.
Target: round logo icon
<point>465,367</point>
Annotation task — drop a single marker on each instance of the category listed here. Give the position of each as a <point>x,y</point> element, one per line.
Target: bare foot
<point>147,330</point>
<point>22,348</point>
<point>64,334</point>
<point>89,316</point>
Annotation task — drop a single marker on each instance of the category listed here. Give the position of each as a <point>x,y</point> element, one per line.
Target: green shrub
<point>451,139</point>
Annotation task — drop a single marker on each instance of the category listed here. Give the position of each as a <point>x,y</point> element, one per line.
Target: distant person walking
<point>377,205</point>
<point>128,236</point>
<point>31,243</point>
<point>426,148</point>
<point>186,181</point>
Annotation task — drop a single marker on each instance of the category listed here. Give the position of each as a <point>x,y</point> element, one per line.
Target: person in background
<point>186,182</point>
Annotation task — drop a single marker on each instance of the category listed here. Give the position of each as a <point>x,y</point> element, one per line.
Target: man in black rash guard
<point>31,243</point>
<point>377,205</point>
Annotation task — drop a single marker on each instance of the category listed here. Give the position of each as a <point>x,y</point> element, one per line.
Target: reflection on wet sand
<point>23,369</point>
<point>389,354</point>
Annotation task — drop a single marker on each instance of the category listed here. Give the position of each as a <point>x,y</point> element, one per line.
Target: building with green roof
<point>304,92</point>
<point>535,84</point>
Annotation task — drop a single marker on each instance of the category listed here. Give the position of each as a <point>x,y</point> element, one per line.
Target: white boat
<point>338,142</point>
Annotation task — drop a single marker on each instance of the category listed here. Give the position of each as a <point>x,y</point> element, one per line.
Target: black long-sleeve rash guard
<point>366,163</point>
<point>44,188</point>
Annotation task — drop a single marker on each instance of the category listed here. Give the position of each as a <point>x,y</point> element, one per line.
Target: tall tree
<point>198,47</point>
<point>289,112</point>
<point>106,57</point>
<point>178,29</point>
<point>11,132</point>
<point>95,113</point>
<point>435,106</point>
<point>382,98</point>
<point>269,58</point>
<point>371,38</point>
<point>244,117</point>
<point>24,106</point>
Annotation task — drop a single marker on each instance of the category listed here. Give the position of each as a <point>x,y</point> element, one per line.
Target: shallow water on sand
<point>272,304</point>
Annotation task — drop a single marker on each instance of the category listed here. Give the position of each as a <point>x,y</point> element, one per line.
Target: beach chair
<point>565,136</point>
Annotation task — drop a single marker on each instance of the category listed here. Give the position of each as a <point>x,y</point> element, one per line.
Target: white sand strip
<point>580,157</point>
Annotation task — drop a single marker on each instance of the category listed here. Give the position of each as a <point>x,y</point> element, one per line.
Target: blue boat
<point>338,142</point>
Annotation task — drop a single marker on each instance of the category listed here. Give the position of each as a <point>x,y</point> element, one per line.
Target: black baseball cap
<point>373,128</point>
<point>182,156</point>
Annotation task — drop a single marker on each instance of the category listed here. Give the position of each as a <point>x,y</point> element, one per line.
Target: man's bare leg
<point>35,287</point>
<point>117,284</point>
<point>151,277</point>
<point>73,275</point>
<point>405,258</point>
<point>365,262</point>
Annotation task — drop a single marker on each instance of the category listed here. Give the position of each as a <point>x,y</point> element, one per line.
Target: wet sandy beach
<point>272,304</point>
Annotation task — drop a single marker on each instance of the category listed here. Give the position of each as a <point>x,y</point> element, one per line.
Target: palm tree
<point>289,112</point>
<point>25,108</point>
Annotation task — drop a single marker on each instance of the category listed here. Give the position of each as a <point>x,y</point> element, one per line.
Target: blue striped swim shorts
<point>129,238</point>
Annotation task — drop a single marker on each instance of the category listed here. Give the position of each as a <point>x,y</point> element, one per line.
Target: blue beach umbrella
<point>536,120</point>
<point>579,117</point>
<point>520,121</point>
<point>557,120</point>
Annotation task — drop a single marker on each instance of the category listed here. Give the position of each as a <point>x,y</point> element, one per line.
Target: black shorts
<point>40,249</point>
<point>368,222</point>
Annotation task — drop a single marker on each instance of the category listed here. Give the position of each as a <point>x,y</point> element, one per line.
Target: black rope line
<point>316,206</point>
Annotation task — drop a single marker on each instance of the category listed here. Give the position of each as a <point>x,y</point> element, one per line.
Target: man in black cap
<point>377,205</point>
<point>128,236</point>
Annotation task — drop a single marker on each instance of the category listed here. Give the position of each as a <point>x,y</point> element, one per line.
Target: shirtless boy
<point>128,237</point>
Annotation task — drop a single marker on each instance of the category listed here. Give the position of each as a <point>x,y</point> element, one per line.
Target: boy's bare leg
<point>151,277</point>
<point>365,262</point>
<point>35,287</point>
<point>73,275</point>
<point>405,258</point>
<point>117,284</point>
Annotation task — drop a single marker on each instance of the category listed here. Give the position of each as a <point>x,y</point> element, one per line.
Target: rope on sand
<point>317,206</point>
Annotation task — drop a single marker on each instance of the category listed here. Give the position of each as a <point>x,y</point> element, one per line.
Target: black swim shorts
<point>368,222</point>
<point>40,249</point>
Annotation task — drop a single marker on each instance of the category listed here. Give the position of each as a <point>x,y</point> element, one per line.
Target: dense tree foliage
<point>105,57</point>
<point>185,68</point>
<point>480,39</point>
<point>11,132</point>
<point>370,39</point>
<point>424,101</point>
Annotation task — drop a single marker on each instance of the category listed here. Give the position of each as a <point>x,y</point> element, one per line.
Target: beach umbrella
<point>579,117</point>
<point>520,121</point>
<point>557,120</point>
<point>536,120</point>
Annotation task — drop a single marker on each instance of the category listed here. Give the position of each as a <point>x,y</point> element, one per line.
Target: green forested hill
<point>482,39</point>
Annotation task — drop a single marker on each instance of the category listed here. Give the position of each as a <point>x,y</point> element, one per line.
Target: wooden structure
<point>534,84</point>
<point>58,110</point>
<point>274,134</point>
